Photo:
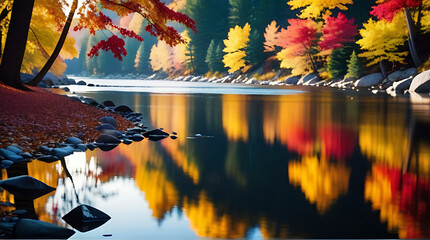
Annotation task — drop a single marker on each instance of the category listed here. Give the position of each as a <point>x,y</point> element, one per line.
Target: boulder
<point>127,141</point>
<point>26,187</point>
<point>67,81</point>
<point>108,104</point>
<point>410,72</point>
<point>156,135</point>
<point>14,149</point>
<point>136,137</point>
<point>29,228</point>
<point>251,81</point>
<point>63,152</point>
<point>109,120</point>
<point>105,126</point>
<point>91,102</point>
<point>292,80</point>
<point>106,138</point>
<point>82,83</point>
<point>116,133</point>
<point>401,86</point>
<point>10,155</point>
<point>74,140</point>
<point>6,163</point>
<point>369,80</point>
<point>85,218</point>
<point>123,109</point>
<point>51,78</point>
<point>395,76</point>
<point>421,83</point>
<point>306,78</point>
<point>48,158</point>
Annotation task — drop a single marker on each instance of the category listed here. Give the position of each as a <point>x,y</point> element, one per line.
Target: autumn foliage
<point>337,31</point>
<point>387,9</point>
<point>155,11</point>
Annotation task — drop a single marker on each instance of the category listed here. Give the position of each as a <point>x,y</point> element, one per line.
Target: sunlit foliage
<point>317,8</point>
<point>381,40</point>
<point>235,46</point>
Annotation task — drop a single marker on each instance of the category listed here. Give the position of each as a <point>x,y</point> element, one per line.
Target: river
<point>272,162</point>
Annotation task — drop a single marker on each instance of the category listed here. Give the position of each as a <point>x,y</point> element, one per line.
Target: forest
<point>334,39</point>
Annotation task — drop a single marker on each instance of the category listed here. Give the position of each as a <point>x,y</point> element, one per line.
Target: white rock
<point>402,85</point>
<point>251,81</point>
<point>421,83</point>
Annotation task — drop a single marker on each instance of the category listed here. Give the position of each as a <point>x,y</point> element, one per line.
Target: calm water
<point>281,163</point>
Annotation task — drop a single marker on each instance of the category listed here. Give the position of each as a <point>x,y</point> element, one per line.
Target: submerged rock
<point>137,137</point>
<point>26,187</point>
<point>127,141</point>
<point>35,229</point>
<point>85,218</point>
<point>107,138</point>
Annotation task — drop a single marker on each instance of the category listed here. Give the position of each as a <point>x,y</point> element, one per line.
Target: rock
<point>306,78</point>
<point>410,72</point>
<point>91,102</point>
<point>48,158</point>
<point>401,86</point>
<point>14,149</point>
<point>26,187</point>
<point>127,141</point>
<point>74,98</point>
<point>26,155</point>
<point>82,83</point>
<point>395,76</point>
<point>66,89</point>
<point>116,133</point>
<point>91,146</point>
<point>74,140</point>
<point>156,135</point>
<point>292,80</point>
<point>311,82</point>
<point>19,212</point>
<point>109,120</point>
<point>63,152</point>
<point>67,81</point>
<point>137,137</point>
<point>108,104</point>
<point>82,147</point>
<point>10,155</point>
<point>90,85</point>
<point>105,126</point>
<point>173,137</point>
<point>85,218</point>
<point>123,109</point>
<point>369,80</point>
<point>421,83</point>
<point>35,229</point>
<point>107,147</point>
<point>251,81</point>
<point>106,138</point>
<point>6,164</point>
<point>45,150</point>
<point>174,133</point>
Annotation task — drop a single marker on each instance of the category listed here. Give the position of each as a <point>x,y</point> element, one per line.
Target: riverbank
<point>35,118</point>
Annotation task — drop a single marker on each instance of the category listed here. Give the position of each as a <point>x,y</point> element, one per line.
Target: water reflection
<point>314,165</point>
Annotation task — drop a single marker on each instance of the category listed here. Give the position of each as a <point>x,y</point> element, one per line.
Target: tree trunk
<point>39,77</point>
<point>15,43</point>
<point>314,67</point>
<point>3,15</point>
<point>411,42</point>
<point>383,70</point>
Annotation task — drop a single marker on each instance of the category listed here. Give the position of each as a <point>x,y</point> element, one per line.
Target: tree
<point>388,9</point>
<point>235,45</point>
<point>299,42</point>
<point>337,64</point>
<point>210,56</point>
<point>271,37</point>
<point>15,43</point>
<point>91,18</point>
<point>337,31</point>
<point>355,69</point>
<point>318,8</point>
<point>381,40</point>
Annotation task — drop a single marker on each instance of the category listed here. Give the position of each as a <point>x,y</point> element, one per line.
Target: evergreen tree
<point>241,12</point>
<point>210,56</point>
<point>255,49</point>
<point>337,65</point>
<point>355,68</point>
<point>210,25</point>
<point>219,55</point>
